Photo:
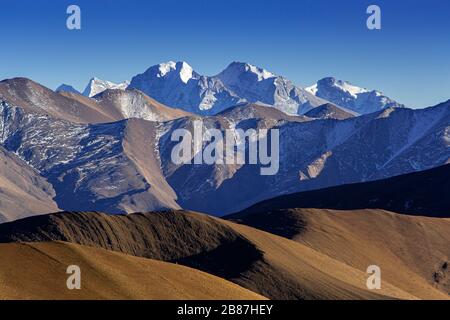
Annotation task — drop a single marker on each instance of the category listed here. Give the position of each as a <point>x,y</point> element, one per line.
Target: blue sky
<point>304,40</point>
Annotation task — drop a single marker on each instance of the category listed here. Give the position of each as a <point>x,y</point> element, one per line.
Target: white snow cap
<point>312,89</point>
<point>96,86</point>
<point>348,87</point>
<point>184,70</point>
<point>344,94</point>
<point>340,84</point>
<point>236,68</point>
<point>165,68</point>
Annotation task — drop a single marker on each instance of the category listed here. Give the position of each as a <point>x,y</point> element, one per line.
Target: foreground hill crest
<point>272,266</point>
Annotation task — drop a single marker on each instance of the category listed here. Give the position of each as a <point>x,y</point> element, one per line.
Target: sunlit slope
<point>38,271</point>
<point>270,265</point>
<point>413,252</point>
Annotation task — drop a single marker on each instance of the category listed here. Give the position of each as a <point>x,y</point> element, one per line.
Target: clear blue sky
<point>304,40</point>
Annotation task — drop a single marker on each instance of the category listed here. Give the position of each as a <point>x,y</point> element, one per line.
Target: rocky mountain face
<point>347,95</point>
<point>111,166</point>
<point>108,106</point>
<point>313,154</point>
<point>37,99</point>
<point>133,103</point>
<point>421,193</point>
<point>96,159</point>
<point>23,192</point>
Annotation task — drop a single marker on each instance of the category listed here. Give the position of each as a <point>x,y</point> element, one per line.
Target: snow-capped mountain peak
<point>180,70</point>
<point>236,69</point>
<point>177,85</point>
<point>347,95</point>
<point>338,84</point>
<point>96,86</point>
<point>312,89</point>
<point>346,86</point>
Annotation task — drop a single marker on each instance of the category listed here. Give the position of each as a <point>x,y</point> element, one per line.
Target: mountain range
<point>176,84</point>
<point>285,251</point>
<point>112,152</point>
<point>88,179</point>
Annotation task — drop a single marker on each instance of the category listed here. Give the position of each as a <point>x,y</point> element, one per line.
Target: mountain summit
<point>345,94</point>
<point>96,86</point>
<point>67,88</point>
<point>236,69</point>
<point>176,84</point>
<point>257,85</point>
<point>181,70</point>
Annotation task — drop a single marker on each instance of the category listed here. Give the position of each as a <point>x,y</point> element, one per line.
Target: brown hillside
<point>38,271</point>
<point>270,265</point>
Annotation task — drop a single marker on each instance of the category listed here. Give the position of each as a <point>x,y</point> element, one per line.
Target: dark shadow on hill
<point>192,240</point>
<point>227,261</point>
<point>425,193</point>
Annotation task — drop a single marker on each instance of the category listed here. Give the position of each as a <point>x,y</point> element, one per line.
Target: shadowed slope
<point>273,266</point>
<point>419,193</point>
<point>159,235</point>
<point>38,271</point>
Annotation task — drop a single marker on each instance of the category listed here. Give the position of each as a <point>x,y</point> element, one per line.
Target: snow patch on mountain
<point>96,86</point>
<point>347,95</point>
<point>236,70</point>
<point>184,70</point>
<point>342,85</point>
